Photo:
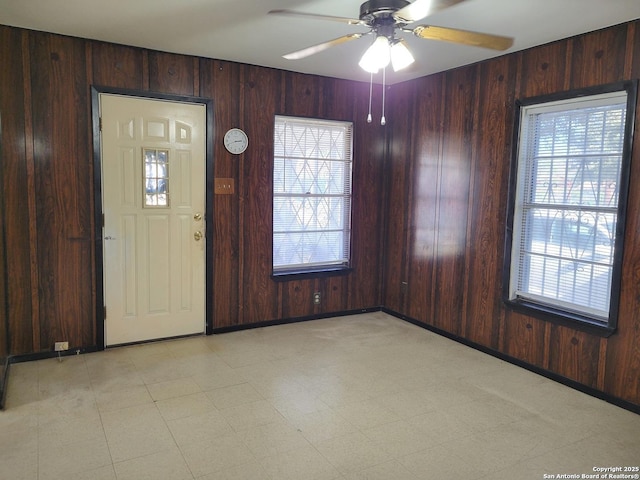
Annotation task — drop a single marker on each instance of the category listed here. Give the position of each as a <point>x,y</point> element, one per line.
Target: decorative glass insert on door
<point>156,177</point>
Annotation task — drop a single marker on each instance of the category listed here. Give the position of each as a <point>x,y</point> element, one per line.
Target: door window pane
<point>156,177</point>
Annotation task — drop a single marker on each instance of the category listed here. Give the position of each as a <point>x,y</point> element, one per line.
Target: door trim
<point>97,196</point>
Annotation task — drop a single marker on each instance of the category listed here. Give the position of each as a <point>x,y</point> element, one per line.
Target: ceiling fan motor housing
<point>380,8</point>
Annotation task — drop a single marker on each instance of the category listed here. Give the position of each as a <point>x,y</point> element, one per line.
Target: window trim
<point>556,314</point>
<point>317,270</point>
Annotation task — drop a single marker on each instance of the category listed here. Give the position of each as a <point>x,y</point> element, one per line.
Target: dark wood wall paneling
<point>370,148</point>
<point>4,317</point>
<point>261,92</point>
<point>48,191</point>
<point>492,146</point>
<point>174,74</point>
<point>422,230</point>
<point>441,197</point>
<point>63,194</point>
<point>452,186</point>
<point>445,234</point>
<point>221,81</point>
<point>16,163</point>
<point>399,174</point>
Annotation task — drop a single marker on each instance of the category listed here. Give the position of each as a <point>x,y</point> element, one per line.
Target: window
<point>565,231</point>
<point>156,177</point>
<point>312,195</point>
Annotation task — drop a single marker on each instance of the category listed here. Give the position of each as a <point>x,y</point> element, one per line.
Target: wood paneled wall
<point>48,193</point>
<point>451,145</point>
<point>4,324</point>
<point>430,193</point>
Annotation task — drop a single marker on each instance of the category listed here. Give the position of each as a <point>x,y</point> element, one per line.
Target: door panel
<point>153,173</point>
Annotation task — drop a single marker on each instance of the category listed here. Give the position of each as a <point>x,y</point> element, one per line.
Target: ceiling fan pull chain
<point>384,78</point>
<point>370,94</point>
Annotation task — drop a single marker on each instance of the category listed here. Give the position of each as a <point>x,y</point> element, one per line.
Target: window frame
<point>556,313</point>
<point>316,270</point>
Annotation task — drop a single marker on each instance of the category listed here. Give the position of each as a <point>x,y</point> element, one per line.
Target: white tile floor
<point>359,397</point>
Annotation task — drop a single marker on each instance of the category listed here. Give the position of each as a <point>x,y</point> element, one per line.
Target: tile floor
<point>360,397</point>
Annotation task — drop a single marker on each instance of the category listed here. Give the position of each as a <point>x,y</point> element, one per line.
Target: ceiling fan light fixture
<point>400,56</point>
<point>377,56</point>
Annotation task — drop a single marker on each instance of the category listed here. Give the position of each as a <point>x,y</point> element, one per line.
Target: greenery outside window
<point>312,195</point>
<point>567,205</point>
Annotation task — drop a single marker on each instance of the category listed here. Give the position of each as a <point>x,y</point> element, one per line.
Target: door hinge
<point>103,219</point>
<point>105,312</point>
<point>100,123</point>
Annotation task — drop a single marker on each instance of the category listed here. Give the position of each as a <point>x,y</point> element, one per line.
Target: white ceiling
<point>241,30</point>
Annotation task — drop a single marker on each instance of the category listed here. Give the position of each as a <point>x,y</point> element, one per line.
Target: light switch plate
<point>223,186</point>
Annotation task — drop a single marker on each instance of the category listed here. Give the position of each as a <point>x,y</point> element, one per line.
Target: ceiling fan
<point>385,18</point>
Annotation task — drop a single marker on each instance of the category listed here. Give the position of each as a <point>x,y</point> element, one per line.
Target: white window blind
<point>312,194</point>
<point>567,197</point>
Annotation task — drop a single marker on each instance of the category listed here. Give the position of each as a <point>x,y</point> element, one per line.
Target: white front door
<point>153,196</point>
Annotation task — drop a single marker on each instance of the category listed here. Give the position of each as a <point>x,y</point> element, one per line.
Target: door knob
<point>197,235</point>
<point>197,217</point>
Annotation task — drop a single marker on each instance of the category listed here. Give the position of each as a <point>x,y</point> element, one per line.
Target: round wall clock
<point>236,141</point>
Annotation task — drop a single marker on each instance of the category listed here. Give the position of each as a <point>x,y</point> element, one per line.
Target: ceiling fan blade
<point>465,37</point>
<point>293,13</point>
<point>422,8</point>
<point>306,52</point>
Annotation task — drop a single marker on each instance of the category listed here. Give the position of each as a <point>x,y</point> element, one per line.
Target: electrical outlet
<point>61,346</point>
<point>316,298</point>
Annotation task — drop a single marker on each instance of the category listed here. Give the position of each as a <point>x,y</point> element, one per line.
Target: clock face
<point>236,141</point>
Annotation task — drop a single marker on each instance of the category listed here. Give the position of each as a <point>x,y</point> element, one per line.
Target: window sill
<point>286,275</point>
<point>560,317</point>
